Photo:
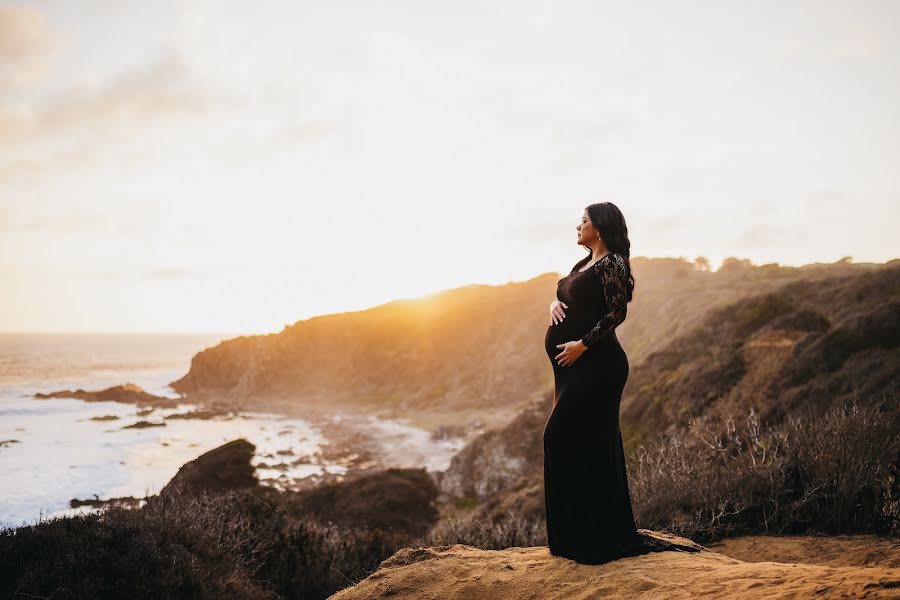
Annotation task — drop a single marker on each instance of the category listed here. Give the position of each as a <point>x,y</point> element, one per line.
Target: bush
<point>207,547</point>
<point>190,545</point>
<point>506,531</point>
<point>831,474</point>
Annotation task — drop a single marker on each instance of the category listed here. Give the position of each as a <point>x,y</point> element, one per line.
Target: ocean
<point>52,451</point>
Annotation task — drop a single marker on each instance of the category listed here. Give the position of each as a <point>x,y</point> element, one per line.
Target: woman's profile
<point>588,505</point>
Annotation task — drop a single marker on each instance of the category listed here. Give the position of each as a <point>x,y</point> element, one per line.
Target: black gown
<point>587,502</point>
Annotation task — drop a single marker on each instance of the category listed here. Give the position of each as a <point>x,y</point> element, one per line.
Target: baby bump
<point>577,322</point>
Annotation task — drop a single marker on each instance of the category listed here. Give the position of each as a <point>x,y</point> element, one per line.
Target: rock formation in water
<point>128,393</point>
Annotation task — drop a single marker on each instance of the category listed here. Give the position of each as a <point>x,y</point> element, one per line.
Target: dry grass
<point>232,545</point>
<point>489,533</point>
<point>835,473</point>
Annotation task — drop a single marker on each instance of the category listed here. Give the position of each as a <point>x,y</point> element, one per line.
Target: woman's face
<point>586,231</point>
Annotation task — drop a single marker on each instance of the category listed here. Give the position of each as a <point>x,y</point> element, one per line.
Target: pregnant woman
<point>588,506</point>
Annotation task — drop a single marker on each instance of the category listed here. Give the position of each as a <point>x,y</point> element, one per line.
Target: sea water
<point>52,450</point>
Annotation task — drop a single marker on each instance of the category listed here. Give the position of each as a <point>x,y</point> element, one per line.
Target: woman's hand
<point>556,312</point>
<point>571,352</point>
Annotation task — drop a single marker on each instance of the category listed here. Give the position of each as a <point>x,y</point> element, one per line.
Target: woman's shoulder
<point>611,258</point>
<point>611,261</point>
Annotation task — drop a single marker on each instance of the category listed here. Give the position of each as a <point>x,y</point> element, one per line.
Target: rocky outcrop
<point>497,460</point>
<point>400,501</point>
<point>460,572</point>
<point>143,425</point>
<point>397,500</point>
<point>128,393</point>
<point>224,468</point>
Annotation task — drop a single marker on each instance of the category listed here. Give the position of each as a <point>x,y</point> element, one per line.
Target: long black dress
<point>588,505</point>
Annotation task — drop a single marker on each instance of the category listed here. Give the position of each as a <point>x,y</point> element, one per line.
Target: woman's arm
<point>613,278</point>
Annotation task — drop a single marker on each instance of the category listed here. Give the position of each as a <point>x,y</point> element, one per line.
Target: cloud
<point>140,115</point>
<point>129,101</point>
<point>91,124</point>
<point>26,44</point>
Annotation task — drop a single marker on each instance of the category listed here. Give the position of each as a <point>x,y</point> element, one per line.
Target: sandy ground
<point>833,551</point>
<point>466,573</point>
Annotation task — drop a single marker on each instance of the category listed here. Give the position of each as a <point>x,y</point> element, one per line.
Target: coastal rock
<point>128,393</point>
<point>143,425</point>
<point>224,468</point>
<point>203,414</point>
<point>498,459</point>
<point>399,500</point>
<point>96,502</point>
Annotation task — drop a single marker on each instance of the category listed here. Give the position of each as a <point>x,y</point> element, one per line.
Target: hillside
<point>807,345</point>
<point>468,349</point>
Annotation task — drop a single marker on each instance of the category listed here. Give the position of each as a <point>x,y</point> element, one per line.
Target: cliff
<point>462,572</point>
<point>407,353</point>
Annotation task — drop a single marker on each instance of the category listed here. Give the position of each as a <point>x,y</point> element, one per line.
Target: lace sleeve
<point>613,278</point>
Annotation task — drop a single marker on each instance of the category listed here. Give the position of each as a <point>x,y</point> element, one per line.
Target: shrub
<point>208,547</point>
<point>506,531</point>
<point>835,473</point>
<point>230,545</point>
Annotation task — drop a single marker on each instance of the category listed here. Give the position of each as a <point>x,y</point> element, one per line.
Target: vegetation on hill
<point>811,344</point>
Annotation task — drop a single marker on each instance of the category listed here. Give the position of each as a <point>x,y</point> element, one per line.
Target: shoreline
<point>354,441</point>
<point>470,419</point>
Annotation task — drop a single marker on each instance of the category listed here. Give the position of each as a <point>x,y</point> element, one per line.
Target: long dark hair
<point>608,220</point>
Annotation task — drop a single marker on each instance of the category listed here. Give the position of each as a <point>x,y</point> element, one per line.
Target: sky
<point>236,167</point>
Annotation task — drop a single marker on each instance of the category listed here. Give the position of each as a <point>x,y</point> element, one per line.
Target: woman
<point>588,506</point>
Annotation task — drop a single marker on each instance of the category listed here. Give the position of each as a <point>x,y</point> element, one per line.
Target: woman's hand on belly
<point>557,314</point>
<point>571,352</point>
